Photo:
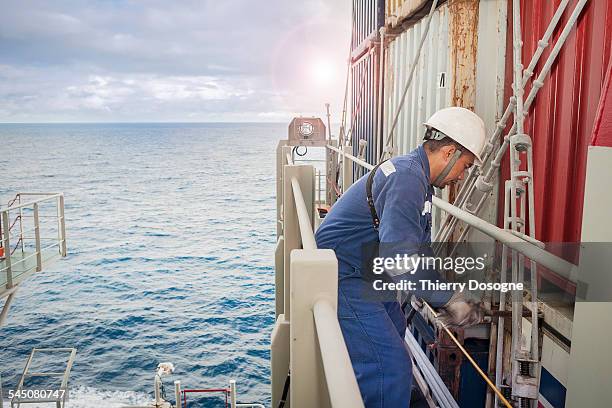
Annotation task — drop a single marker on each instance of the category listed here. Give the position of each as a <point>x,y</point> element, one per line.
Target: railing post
<point>37,239</point>
<point>21,225</point>
<point>331,169</point>
<point>177,394</point>
<point>7,248</point>
<point>62,224</point>
<point>347,170</point>
<point>280,163</point>
<point>314,276</point>
<point>232,393</point>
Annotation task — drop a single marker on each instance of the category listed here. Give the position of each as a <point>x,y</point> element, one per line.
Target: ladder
<point>59,394</point>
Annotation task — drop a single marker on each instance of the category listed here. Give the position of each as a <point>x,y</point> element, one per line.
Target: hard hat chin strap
<point>438,181</point>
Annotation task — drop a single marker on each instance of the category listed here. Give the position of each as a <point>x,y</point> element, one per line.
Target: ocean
<point>170,234</point>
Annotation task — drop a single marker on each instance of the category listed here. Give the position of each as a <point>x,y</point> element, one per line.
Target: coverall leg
<point>374,335</point>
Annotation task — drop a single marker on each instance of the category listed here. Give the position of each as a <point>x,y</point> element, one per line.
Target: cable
<point>471,360</point>
<point>296,151</point>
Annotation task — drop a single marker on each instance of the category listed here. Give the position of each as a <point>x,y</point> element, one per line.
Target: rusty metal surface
<point>463,45</point>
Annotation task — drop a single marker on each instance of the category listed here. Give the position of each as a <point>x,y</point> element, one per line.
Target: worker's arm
<point>402,229</point>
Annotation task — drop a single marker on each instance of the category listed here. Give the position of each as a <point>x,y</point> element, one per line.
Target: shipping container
<point>462,63</point>
<point>368,17</point>
<point>561,120</point>
<point>364,107</point>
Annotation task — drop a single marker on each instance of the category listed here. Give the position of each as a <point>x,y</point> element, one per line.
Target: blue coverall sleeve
<point>400,205</point>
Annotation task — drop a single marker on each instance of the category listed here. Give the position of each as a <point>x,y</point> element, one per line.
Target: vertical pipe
<point>21,225</point>
<point>157,391</point>
<point>177,394</point>
<point>7,249</point>
<point>63,224</point>
<point>37,238</point>
<point>233,393</point>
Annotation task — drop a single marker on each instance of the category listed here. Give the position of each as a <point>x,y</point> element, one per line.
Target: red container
<point>561,119</point>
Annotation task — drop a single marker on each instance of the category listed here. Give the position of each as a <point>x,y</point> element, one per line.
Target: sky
<point>172,61</point>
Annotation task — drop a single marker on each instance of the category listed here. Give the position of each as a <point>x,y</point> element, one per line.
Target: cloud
<point>159,60</point>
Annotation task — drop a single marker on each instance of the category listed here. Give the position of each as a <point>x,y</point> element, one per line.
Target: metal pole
<point>233,393</point>
<point>37,239</point>
<point>329,135</point>
<point>21,225</point>
<point>7,248</point>
<point>177,394</point>
<point>157,390</point>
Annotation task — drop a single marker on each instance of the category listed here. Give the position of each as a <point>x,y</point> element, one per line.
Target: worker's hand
<point>461,312</point>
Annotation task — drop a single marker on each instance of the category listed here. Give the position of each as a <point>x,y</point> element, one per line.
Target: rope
<point>470,359</point>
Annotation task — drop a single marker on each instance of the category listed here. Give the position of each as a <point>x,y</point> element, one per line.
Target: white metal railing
<point>307,295</point>
<point>22,245</point>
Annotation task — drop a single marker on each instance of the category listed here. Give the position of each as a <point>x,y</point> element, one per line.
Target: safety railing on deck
<point>306,307</point>
<point>32,231</point>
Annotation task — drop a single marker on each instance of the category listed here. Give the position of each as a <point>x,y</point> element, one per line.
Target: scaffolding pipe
<point>435,383</point>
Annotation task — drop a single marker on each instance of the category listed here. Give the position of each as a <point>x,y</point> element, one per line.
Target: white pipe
<point>232,393</point>
<point>30,203</point>
<point>177,394</point>
<point>339,374</point>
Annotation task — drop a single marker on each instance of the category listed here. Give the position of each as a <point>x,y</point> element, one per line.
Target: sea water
<point>170,232</point>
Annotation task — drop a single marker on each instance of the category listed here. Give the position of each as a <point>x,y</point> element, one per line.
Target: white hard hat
<point>463,126</point>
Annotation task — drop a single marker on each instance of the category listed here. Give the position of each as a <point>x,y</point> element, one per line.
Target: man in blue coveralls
<point>394,209</point>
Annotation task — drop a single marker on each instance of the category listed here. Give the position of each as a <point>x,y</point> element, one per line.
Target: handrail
<point>9,261</point>
<point>341,381</point>
<point>49,196</point>
<point>531,250</point>
<point>306,279</point>
<point>306,232</point>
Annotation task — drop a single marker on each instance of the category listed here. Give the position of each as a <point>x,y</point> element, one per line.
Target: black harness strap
<point>370,198</point>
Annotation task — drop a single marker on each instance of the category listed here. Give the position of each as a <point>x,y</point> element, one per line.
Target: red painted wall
<point>561,119</point>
